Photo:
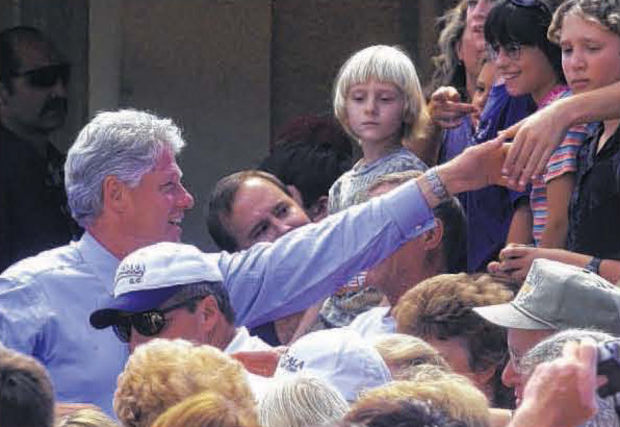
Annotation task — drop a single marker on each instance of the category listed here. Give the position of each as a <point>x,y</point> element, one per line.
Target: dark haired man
<point>26,392</point>
<point>33,104</point>
<point>170,290</point>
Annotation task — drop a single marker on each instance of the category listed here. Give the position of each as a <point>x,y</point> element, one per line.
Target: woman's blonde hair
<point>207,409</point>
<point>602,12</point>
<point>86,418</point>
<point>451,393</point>
<point>386,64</point>
<point>400,351</point>
<point>299,401</point>
<point>162,373</point>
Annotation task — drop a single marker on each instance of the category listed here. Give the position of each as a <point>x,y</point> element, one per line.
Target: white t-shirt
<point>243,341</point>
<point>373,322</point>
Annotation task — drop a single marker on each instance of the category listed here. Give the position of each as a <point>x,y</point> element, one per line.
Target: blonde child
<point>378,100</point>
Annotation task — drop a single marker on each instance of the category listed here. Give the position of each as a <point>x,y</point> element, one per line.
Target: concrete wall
<point>66,23</point>
<point>206,64</point>
<point>229,72</point>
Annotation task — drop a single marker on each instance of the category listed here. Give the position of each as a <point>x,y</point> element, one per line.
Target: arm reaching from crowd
<point>561,393</point>
<point>446,108</point>
<point>535,137</point>
<point>515,262</point>
<point>273,280</point>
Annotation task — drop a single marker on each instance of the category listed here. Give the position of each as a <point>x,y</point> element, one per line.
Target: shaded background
<point>229,72</point>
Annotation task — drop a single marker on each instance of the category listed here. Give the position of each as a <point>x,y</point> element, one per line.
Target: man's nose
<point>281,227</point>
<point>510,377</point>
<point>186,200</point>
<point>59,89</point>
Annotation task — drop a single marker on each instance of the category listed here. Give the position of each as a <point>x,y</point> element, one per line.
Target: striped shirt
<point>562,161</point>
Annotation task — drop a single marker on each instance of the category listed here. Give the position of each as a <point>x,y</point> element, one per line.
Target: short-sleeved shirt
<point>562,161</point>
<point>595,202</point>
<point>373,322</point>
<point>347,189</point>
<point>489,210</point>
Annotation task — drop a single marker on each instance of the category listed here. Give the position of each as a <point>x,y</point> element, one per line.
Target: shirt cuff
<point>409,209</point>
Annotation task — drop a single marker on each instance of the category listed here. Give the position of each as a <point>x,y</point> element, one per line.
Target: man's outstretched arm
<point>272,280</point>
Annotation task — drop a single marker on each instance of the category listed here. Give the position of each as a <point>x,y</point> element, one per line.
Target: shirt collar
<point>103,263</point>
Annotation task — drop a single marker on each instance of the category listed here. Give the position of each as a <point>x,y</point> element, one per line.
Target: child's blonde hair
<point>390,65</point>
<point>602,12</point>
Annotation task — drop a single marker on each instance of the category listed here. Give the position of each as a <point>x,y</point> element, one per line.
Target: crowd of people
<point>442,278</point>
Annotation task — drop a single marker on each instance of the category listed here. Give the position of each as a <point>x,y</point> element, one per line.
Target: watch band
<point>437,187</point>
<point>594,265</point>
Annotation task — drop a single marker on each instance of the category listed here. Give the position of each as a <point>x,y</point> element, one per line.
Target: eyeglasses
<point>46,77</point>
<point>511,49</point>
<point>147,323</point>
<point>516,361</point>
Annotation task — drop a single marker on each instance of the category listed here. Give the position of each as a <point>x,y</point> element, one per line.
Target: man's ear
<point>431,239</point>
<point>114,194</point>
<point>209,311</point>
<point>318,210</point>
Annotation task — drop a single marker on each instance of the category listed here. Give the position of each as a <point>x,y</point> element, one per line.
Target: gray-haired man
<point>124,187</point>
<point>554,297</point>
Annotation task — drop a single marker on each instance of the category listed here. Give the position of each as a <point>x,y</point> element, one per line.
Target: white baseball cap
<point>339,356</point>
<point>149,276</point>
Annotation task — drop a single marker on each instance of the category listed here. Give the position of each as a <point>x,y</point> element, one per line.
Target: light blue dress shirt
<point>46,301</point>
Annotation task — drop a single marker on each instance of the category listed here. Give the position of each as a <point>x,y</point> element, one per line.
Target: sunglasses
<point>147,323</point>
<point>532,3</point>
<point>46,77</point>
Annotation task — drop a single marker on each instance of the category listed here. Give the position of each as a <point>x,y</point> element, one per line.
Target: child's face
<point>590,54</point>
<point>483,86</point>
<point>525,70</point>
<point>375,111</point>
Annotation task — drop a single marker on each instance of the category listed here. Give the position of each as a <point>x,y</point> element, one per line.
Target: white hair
<point>124,143</point>
<point>552,348</point>
<point>301,400</point>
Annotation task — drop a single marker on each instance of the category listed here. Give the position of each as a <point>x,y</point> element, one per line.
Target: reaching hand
<point>533,141</point>
<point>515,261</point>
<point>446,109</point>
<point>477,167</point>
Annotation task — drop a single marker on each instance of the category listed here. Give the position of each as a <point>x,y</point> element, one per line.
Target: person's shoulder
<point>401,160</point>
<point>45,265</point>
<point>368,318</point>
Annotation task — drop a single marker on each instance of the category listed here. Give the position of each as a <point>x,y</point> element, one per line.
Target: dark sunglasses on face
<point>148,323</point>
<point>532,3</point>
<point>46,77</point>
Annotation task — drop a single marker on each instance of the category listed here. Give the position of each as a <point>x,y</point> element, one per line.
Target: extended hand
<point>446,109</point>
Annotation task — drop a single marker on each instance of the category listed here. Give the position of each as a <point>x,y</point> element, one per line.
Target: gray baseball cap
<point>559,296</point>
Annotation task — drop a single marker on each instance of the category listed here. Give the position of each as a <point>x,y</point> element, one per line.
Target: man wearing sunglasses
<point>125,188</point>
<point>172,290</point>
<point>33,103</point>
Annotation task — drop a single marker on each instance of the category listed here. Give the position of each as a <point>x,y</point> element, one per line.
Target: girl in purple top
<point>530,64</point>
